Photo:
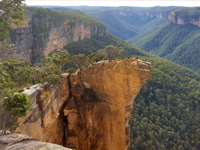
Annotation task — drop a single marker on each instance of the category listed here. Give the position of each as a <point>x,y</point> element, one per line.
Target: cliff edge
<point>92,108</point>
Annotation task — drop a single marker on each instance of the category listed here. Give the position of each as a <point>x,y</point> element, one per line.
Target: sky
<point>141,3</point>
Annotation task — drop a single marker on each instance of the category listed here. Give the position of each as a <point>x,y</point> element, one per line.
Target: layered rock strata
<point>91,110</point>
<point>44,120</point>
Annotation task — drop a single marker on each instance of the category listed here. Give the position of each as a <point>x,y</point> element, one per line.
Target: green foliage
<point>15,75</point>
<point>70,70</point>
<point>61,57</point>
<point>50,68</point>
<point>11,13</point>
<point>16,104</point>
<point>19,71</point>
<point>81,61</point>
<point>110,52</point>
<point>4,77</point>
<point>89,46</point>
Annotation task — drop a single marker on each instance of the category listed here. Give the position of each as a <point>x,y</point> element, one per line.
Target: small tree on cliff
<point>81,61</point>
<point>109,52</point>
<point>14,106</point>
<point>50,68</point>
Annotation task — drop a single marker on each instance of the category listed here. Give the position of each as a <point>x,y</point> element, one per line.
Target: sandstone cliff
<point>161,15</point>
<point>92,108</point>
<point>44,31</point>
<point>182,18</point>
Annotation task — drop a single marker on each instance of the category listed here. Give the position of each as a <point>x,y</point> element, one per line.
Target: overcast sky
<point>142,3</point>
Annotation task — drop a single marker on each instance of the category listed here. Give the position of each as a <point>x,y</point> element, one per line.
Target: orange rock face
<point>102,103</point>
<point>91,110</point>
<point>44,120</point>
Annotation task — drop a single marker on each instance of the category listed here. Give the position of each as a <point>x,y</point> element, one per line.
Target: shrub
<point>70,70</point>
<point>16,104</point>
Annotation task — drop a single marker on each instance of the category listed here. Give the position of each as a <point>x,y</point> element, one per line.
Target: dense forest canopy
<point>178,43</point>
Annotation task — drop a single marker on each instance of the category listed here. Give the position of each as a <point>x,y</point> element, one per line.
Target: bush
<point>16,104</point>
<point>70,70</point>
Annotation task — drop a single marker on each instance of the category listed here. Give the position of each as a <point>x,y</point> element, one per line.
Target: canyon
<point>90,110</point>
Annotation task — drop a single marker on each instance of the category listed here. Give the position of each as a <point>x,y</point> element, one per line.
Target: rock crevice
<point>92,108</point>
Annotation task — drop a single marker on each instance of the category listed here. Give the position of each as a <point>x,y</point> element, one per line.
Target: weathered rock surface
<point>91,110</point>
<point>18,141</point>
<point>101,104</point>
<point>42,33</point>
<point>44,120</point>
<point>175,18</point>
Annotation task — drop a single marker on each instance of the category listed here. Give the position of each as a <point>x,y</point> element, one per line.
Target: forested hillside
<point>125,22</point>
<point>178,43</point>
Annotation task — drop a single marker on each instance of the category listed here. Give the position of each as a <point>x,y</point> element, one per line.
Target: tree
<point>109,52</point>
<point>50,68</point>
<point>14,106</point>
<point>81,61</point>
<point>61,57</point>
<point>113,52</point>
<point>11,12</point>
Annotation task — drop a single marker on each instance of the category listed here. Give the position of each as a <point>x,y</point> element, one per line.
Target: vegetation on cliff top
<point>15,75</point>
<point>57,17</point>
<point>188,13</point>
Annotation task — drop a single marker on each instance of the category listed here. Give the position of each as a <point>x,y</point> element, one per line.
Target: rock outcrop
<point>45,31</point>
<point>45,119</point>
<point>182,20</point>
<point>92,108</point>
<point>18,141</point>
<point>161,15</point>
